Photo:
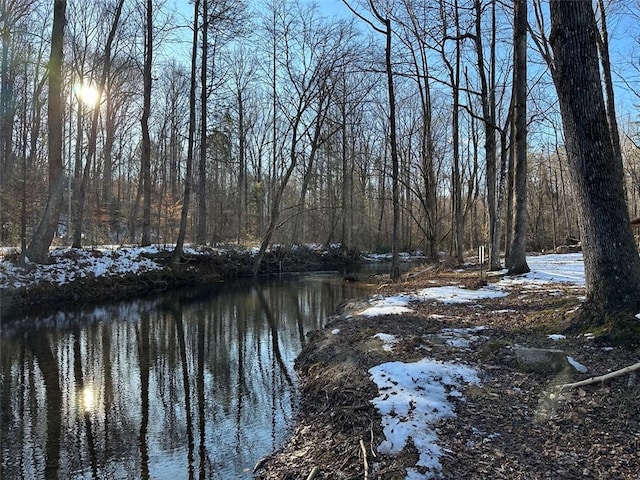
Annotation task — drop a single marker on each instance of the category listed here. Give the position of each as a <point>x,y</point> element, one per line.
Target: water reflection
<point>198,384</point>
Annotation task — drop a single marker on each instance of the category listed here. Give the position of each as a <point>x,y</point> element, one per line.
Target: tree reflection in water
<point>137,386</point>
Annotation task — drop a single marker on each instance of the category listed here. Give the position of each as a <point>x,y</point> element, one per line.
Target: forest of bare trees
<point>268,121</point>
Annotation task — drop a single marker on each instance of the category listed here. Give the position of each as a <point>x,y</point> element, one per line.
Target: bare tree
<point>395,163</point>
<point>311,57</point>
<point>612,264</point>
<point>416,26</point>
<point>38,249</point>
<point>145,156</point>
<point>93,133</point>
<point>178,250</point>
<point>201,233</point>
<point>516,258</point>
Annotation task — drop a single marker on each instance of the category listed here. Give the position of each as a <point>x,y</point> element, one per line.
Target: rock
<point>542,360</point>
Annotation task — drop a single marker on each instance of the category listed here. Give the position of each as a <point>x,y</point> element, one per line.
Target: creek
<point>197,383</point>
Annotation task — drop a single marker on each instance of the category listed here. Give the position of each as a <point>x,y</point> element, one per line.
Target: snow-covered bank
<point>74,276</point>
<point>68,265</point>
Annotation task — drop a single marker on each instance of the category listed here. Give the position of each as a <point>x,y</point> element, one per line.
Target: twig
<point>364,459</point>
<point>313,473</point>
<point>601,378</point>
<point>373,451</point>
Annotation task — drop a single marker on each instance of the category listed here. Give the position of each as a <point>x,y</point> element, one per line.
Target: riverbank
<point>425,381</point>
<point>77,277</point>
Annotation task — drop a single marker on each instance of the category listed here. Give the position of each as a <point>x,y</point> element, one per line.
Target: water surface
<point>192,384</point>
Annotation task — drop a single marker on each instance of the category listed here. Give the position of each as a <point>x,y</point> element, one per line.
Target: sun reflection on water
<point>88,399</point>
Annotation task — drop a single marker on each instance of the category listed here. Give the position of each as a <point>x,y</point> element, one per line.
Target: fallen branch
<point>313,473</point>
<point>364,460</point>
<point>601,378</point>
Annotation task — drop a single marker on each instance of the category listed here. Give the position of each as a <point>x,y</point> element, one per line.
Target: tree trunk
<point>347,178</point>
<point>612,264</point>
<point>145,164</point>
<point>38,249</point>
<point>517,261</point>
<point>395,170</point>
<point>458,224</point>
<point>93,134</point>
<point>201,234</point>
<point>487,96</point>
<point>242,168</point>
<point>109,140</point>
<point>178,250</point>
<point>7,103</point>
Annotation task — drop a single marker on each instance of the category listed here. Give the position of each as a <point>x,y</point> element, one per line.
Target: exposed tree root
<point>616,327</point>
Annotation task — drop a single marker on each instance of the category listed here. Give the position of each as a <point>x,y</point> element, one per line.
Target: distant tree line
<point>228,121</point>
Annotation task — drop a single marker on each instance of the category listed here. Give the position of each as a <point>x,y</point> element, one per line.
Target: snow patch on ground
<point>460,337</point>
<point>556,336</point>
<point>388,341</point>
<point>69,264</point>
<point>456,294</point>
<point>578,366</point>
<point>393,305</point>
<point>413,398</point>
<point>545,269</point>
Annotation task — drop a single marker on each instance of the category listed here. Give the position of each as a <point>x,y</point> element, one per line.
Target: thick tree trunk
<point>517,262</point>
<point>612,264</point>
<point>38,249</point>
